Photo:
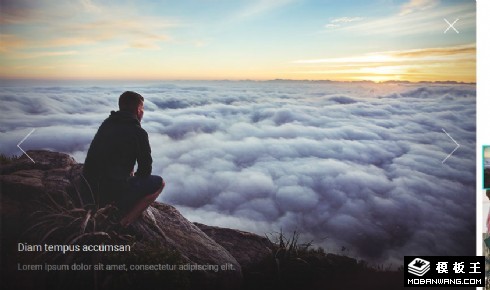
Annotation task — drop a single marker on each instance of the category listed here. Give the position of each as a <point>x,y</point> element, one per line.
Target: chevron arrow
<point>454,150</point>
<point>18,145</point>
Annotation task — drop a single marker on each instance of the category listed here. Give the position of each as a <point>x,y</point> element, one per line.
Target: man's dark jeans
<point>138,188</point>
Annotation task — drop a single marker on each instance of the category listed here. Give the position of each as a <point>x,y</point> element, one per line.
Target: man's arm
<point>143,154</point>
<point>91,165</point>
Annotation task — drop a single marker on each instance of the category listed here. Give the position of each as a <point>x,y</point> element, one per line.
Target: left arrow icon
<point>18,145</point>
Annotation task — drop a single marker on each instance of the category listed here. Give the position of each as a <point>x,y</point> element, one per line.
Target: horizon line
<point>239,80</point>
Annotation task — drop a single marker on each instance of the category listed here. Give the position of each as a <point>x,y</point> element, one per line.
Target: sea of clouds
<point>356,166</point>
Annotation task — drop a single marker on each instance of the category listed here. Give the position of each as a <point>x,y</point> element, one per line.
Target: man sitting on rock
<point>119,143</point>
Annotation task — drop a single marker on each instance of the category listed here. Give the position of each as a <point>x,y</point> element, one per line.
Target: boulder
<point>248,248</point>
<point>41,159</point>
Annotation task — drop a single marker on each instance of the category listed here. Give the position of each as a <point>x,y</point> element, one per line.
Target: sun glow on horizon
<point>430,64</point>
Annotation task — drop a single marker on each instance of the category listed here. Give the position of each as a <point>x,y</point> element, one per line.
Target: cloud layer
<point>347,164</point>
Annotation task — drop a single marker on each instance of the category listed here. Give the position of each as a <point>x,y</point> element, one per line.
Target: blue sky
<point>255,39</point>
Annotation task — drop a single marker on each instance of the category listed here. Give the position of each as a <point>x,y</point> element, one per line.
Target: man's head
<point>133,103</point>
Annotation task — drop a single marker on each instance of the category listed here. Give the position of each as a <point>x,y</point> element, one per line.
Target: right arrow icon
<point>454,150</point>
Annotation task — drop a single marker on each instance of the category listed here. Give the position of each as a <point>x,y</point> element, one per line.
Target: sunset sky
<point>250,39</point>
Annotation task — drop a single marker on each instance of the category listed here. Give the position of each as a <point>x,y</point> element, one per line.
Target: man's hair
<point>129,101</point>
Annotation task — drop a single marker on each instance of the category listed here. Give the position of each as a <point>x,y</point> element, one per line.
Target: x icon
<point>451,25</point>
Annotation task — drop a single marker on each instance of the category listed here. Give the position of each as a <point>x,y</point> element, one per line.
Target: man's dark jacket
<point>119,143</point>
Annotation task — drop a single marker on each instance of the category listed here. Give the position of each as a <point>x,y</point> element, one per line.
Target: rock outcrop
<point>24,182</point>
<point>247,248</point>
